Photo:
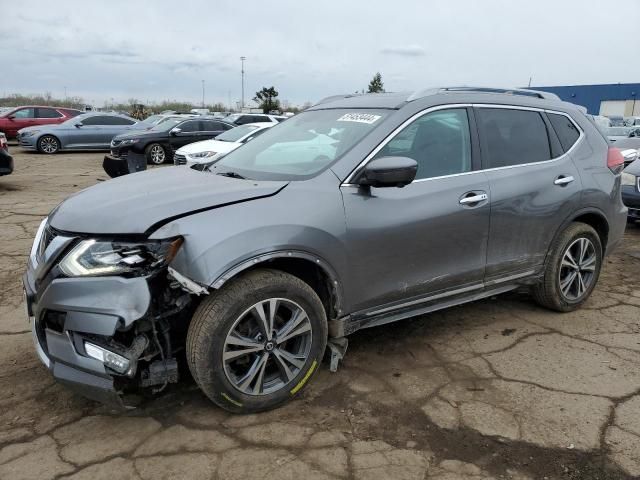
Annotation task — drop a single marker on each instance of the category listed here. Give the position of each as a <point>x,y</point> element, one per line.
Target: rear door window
<point>512,137</point>
<point>566,130</point>
<point>97,120</point>
<point>48,113</point>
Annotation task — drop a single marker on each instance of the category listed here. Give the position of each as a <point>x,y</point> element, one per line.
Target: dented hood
<point>141,202</point>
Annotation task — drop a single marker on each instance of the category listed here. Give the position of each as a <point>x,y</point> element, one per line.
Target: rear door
<point>211,129</point>
<point>534,186</point>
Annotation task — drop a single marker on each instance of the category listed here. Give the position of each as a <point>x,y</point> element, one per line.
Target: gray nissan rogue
<point>360,211</point>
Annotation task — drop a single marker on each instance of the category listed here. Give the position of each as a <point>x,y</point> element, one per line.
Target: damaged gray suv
<point>360,211</point>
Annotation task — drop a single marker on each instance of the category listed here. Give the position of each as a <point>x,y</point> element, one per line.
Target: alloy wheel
<point>157,155</point>
<point>577,269</point>
<point>49,145</point>
<point>267,346</point>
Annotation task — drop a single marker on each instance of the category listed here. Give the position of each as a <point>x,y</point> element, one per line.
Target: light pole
<point>202,93</point>
<point>242,59</point>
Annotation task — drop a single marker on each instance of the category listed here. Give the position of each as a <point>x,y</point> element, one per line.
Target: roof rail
<point>506,91</point>
<point>336,97</point>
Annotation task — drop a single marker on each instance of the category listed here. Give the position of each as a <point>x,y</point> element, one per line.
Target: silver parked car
<point>252,265</point>
<point>89,131</point>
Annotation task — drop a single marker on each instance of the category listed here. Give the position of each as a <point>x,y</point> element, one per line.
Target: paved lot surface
<point>494,389</point>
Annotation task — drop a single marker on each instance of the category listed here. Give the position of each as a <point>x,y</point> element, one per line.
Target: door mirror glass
<point>175,131</point>
<point>389,172</point>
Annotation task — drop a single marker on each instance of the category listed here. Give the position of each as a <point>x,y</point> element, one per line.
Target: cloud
<point>405,51</point>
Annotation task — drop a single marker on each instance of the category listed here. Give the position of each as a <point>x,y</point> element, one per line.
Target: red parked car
<point>20,117</point>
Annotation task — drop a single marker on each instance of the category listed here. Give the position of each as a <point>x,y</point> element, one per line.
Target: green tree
<point>266,99</point>
<point>376,85</point>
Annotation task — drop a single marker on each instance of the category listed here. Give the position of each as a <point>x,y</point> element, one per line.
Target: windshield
<point>301,146</point>
<point>235,134</point>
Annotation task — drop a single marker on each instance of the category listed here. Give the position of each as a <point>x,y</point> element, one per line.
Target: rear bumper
<point>631,198</point>
<point>6,163</point>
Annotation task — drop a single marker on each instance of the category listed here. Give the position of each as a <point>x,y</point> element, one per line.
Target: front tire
<point>156,154</point>
<point>48,144</point>
<point>572,269</point>
<point>254,344</point>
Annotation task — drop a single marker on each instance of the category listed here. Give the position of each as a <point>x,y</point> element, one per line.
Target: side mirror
<point>78,125</point>
<point>389,172</point>
<point>175,131</point>
<point>11,117</point>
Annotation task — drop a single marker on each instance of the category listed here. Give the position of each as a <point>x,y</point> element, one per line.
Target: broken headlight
<point>96,257</point>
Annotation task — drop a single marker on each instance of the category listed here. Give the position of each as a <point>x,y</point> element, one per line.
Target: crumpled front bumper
<point>88,306</point>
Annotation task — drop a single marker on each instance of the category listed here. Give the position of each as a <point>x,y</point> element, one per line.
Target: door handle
<point>473,199</point>
<point>563,180</point>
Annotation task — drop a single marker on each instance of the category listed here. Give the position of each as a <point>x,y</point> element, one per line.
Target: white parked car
<point>245,118</point>
<point>208,150</point>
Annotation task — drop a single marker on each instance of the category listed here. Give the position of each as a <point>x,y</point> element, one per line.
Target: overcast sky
<point>156,50</point>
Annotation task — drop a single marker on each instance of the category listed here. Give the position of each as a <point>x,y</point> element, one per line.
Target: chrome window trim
<point>388,138</point>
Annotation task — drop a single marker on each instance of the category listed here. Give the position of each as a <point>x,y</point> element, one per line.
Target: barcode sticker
<point>359,117</point>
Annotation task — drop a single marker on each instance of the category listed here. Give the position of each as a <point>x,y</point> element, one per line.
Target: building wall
<point>608,98</point>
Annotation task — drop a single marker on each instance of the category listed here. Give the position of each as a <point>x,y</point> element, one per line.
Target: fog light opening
<point>110,359</point>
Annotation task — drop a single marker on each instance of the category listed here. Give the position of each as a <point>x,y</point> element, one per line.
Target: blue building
<point>612,99</point>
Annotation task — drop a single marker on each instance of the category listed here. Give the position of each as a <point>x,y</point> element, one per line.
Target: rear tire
<point>235,363</point>
<point>48,144</point>
<point>156,154</point>
<point>572,269</point>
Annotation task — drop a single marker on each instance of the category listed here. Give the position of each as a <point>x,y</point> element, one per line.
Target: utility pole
<point>65,93</point>
<point>530,78</point>
<point>242,59</point>
<point>202,93</point>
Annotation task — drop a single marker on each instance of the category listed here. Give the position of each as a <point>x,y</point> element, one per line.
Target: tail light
<point>3,143</point>
<point>615,160</point>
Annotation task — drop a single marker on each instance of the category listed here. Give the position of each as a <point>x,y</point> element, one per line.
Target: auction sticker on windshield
<point>359,117</point>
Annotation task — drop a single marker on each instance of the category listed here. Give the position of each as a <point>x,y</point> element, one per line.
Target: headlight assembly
<point>96,257</point>
<point>628,179</point>
<point>29,133</point>
<point>201,155</point>
<point>130,141</point>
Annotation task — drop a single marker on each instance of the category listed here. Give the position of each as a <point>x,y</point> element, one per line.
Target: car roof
<point>43,106</point>
<point>442,95</point>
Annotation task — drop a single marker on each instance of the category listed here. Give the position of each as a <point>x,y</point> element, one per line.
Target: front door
<point>534,185</point>
<point>189,133</point>
<point>430,237</point>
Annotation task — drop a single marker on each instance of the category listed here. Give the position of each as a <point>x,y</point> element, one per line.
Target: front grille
<point>179,159</point>
<point>119,154</point>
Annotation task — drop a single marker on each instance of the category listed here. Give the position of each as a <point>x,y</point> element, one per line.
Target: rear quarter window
<point>567,132</point>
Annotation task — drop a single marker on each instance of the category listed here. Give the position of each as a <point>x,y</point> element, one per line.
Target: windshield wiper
<point>232,175</point>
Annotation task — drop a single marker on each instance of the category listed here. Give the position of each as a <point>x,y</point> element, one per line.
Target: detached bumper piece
<point>117,167</point>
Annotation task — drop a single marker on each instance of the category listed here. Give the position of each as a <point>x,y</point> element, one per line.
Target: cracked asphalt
<point>495,389</point>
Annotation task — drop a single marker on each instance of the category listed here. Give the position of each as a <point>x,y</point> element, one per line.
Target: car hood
<point>625,142</point>
<point>141,133</point>
<point>141,202</point>
<point>208,145</point>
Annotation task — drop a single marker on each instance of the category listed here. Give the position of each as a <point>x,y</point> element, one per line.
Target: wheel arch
<point>60,146</point>
<point>311,269</point>
<point>590,216</point>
